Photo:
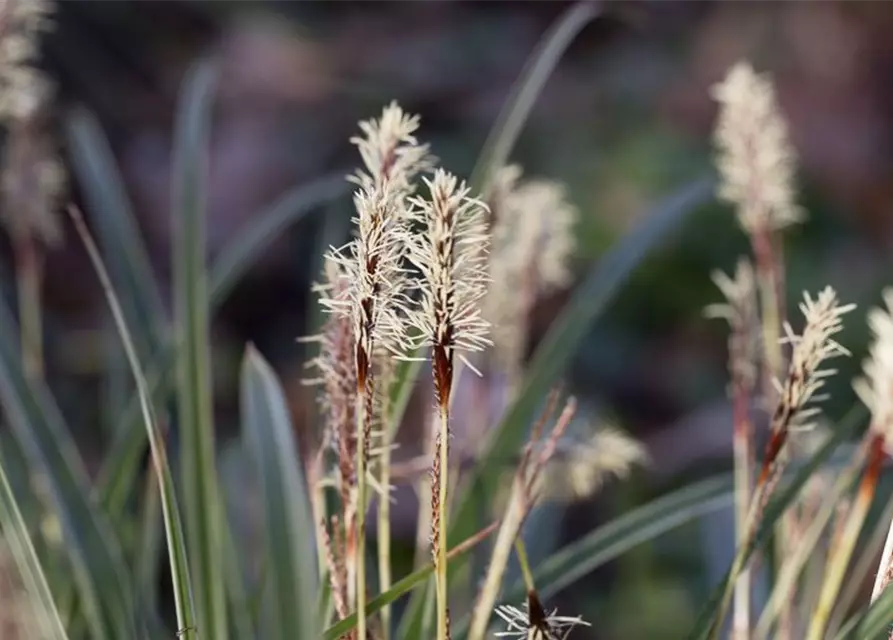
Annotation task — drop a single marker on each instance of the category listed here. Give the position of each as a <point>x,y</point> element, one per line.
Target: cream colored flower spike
<point>875,388</point>
<point>23,88</point>
<point>756,161</point>
<point>811,349</point>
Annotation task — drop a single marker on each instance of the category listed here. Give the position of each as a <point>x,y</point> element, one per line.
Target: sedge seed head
<point>756,161</point>
<point>450,255</point>
<point>875,387</point>
<point>811,349</point>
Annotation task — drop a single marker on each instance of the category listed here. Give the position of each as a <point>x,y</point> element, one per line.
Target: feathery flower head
<point>336,374</point>
<point>534,623</point>
<point>741,311</point>
<point>33,182</point>
<point>811,349</point>
<point>451,256</point>
<point>531,227</point>
<point>371,265</point>
<point>875,388</point>
<point>22,86</point>
<point>756,160</point>
<point>579,470</point>
<point>390,151</point>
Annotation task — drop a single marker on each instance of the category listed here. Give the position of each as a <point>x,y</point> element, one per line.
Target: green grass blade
<point>165,482</point>
<point>122,464</point>
<point>18,542</point>
<point>201,500</point>
<point>117,231</point>
<point>96,558</point>
<point>872,623</point>
<point>615,538</point>
<point>293,583</point>
<point>560,343</point>
<point>249,243</point>
<point>418,619</point>
<point>784,497</point>
<point>526,90</point>
<point>148,549</point>
<point>237,595</point>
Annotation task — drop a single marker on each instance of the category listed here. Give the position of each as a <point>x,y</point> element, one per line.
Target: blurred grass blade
<point>236,258</point>
<point>527,89</point>
<point>615,538</point>
<point>559,345</point>
<point>418,619</point>
<point>237,596</point>
<point>117,231</point>
<point>165,482</point>
<point>96,558</point>
<point>17,542</point>
<point>121,466</point>
<point>290,534</point>
<point>783,498</point>
<point>201,500</point>
<point>620,535</point>
<point>872,623</point>
<point>148,549</point>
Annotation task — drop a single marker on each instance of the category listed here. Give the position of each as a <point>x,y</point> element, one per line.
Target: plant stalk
<point>440,524</point>
<point>384,531</point>
<point>742,441</point>
<point>29,276</point>
<point>840,554</point>
<point>359,554</point>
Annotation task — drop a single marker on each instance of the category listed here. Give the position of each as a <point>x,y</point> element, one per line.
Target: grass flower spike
<point>24,87</point>
<point>390,151</point>
<point>374,297</point>
<point>806,377</point>
<point>450,254</point>
<point>742,313</point>
<point>531,228</point>
<point>534,623</point>
<point>756,161</point>
<point>875,389</point>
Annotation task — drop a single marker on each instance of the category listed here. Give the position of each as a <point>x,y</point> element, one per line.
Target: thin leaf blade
<point>289,531</point>
<point>201,500</point>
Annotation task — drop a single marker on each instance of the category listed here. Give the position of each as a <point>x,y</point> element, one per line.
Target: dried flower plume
<point>534,623</point>
<point>875,388</point>
<point>806,377</point>
<point>531,226</point>
<point>756,160</point>
<point>579,470</point>
<point>390,151</point>
<point>23,87</point>
<point>451,256</point>
<point>742,313</point>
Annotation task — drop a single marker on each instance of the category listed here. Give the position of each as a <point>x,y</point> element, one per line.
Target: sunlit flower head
<point>756,161</point>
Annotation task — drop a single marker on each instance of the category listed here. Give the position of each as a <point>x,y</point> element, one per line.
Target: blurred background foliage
<point>625,118</point>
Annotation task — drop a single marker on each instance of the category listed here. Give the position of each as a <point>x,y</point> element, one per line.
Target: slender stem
<point>770,275</point>
<point>508,534</point>
<point>384,531</point>
<point>440,522</point>
<point>360,548</point>
<point>884,566</point>
<point>839,557</point>
<point>743,467</point>
<point>793,565</point>
<point>28,280</point>
<point>521,550</point>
